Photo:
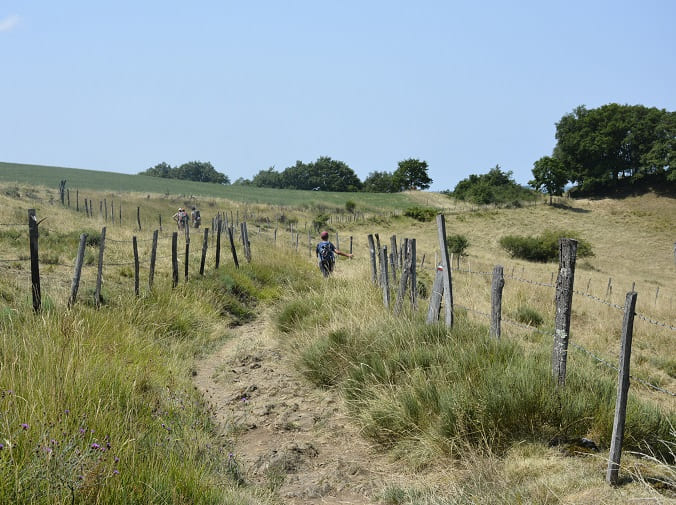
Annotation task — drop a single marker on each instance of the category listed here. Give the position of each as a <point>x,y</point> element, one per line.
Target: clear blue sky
<point>122,86</point>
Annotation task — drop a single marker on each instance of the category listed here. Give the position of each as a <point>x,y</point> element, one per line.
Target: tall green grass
<point>97,406</point>
<point>421,389</point>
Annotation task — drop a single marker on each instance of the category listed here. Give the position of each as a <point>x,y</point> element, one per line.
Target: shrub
<point>457,244</point>
<point>320,221</point>
<point>529,316</point>
<point>544,247</point>
<point>421,213</point>
<point>350,206</point>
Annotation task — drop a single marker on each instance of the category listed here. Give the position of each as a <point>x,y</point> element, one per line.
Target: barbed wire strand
<point>574,345</point>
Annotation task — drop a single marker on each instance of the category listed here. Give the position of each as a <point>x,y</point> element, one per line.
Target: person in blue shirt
<point>326,254</point>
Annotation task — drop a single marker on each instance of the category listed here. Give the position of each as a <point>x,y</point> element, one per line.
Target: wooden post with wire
<point>75,285</point>
<point>564,301</point>
<point>134,243</point>
<point>498,282</point>
<point>35,259</point>
<point>99,275</point>
<point>153,259</point>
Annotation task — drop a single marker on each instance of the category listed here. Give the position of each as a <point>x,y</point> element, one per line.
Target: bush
<point>457,244</point>
<point>529,316</point>
<point>544,247</point>
<point>421,213</point>
<point>350,206</point>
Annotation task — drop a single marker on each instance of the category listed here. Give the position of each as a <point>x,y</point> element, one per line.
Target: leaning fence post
<point>435,297</point>
<point>205,243</point>
<point>138,217</point>
<point>372,252</point>
<point>622,390</point>
<point>232,248</point>
<point>99,275</point>
<point>496,301</point>
<point>35,259</point>
<point>385,281</point>
<point>78,270</point>
<point>445,263</point>
<point>174,259</point>
<point>564,301</point>
<point>134,244</point>
<point>219,227</point>
<point>153,258</point>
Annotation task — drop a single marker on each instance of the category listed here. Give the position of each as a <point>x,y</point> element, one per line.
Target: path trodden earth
<point>289,436</point>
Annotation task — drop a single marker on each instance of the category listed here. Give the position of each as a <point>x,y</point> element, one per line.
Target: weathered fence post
<point>62,189</point>
<point>393,248</point>
<point>350,244</point>
<point>99,274</point>
<point>496,301</point>
<point>393,265</point>
<point>136,266</point>
<point>86,208</point>
<point>385,280</point>
<point>609,289</point>
<point>35,259</point>
<point>232,248</point>
<point>219,229</point>
<point>622,390</point>
<point>435,296</point>
<point>405,274</point>
<point>100,209</point>
<point>77,200</point>
<point>160,219</point>
<point>187,251</point>
<point>564,300</point>
<point>445,263</point>
<point>337,242</point>
<point>75,285</point>
<point>205,243</point>
<point>105,209</point>
<point>414,278</point>
<point>138,217</point>
<point>174,259</point>
<point>120,214</point>
<point>68,197</point>
<point>153,258</point>
<point>372,252</point>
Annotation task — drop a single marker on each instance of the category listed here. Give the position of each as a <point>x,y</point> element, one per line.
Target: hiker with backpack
<point>195,218</point>
<point>326,254</point>
<point>181,218</point>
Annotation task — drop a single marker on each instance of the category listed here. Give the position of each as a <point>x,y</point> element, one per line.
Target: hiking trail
<point>289,436</point>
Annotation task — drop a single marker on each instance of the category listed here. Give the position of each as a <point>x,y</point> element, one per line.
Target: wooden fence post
<point>134,244</point>
<point>622,390</point>
<point>435,296</point>
<point>174,259</point>
<point>105,208</point>
<point>496,301</point>
<point>385,280</point>
<point>153,258</point>
<point>372,252</point>
<point>120,214</point>
<point>100,209</point>
<point>160,219</point>
<point>609,289</point>
<point>446,264</point>
<point>205,243</point>
<point>232,248</point>
<point>86,208</point>
<point>564,300</point>
<point>414,278</point>
<point>68,197</point>
<point>75,285</point>
<point>337,242</point>
<point>394,250</point>
<point>393,266</point>
<point>138,217</point>
<point>187,251</point>
<point>112,211</point>
<point>350,244</point>
<point>77,200</point>
<point>403,280</point>
<point>99,275</point>
<point>219,229</point>
<point>35,259</point>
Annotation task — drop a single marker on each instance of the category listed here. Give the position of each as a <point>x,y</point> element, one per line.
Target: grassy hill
<point>115,182</point>
<point>482,412</point>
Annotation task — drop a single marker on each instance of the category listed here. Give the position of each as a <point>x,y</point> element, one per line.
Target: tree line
<point>199,171</point>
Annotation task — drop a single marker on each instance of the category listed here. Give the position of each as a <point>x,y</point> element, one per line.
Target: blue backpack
<point>325,253</point>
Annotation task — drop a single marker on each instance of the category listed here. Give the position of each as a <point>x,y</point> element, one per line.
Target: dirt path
<point>290,437</point>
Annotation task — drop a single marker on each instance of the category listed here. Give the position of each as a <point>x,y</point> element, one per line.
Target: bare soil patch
<point>289,436</point>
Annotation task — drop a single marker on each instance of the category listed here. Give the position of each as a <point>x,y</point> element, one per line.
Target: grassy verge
<point>97,406</point>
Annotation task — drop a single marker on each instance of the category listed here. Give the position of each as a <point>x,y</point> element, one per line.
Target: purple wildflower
<point>24,426</point>
<point>1,446</point>
<point>116,472</point>
<point>67,411</point>
<point>95,446</point>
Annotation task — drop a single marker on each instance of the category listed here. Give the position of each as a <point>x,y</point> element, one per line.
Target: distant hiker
<point>181,218</point>
<point>326,252</point>
<point>195,218</point>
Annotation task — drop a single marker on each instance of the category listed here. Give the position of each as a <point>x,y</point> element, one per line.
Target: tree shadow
<point>569,208</point>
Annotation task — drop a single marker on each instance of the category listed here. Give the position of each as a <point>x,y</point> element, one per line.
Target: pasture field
<point>120,183</point>
<point>480,413</point>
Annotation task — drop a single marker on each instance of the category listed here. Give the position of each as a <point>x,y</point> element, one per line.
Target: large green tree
<point>192,171</point>
<point>599,147</point>
<point>549,176</point>
<point>411,173</point>
<point>380,182</point>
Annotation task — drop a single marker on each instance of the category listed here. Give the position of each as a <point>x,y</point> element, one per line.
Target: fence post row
<point>35,258</point>
<point>497,284</point>
<point>564,300</point>
<point>622,390</point>
<point>99,275</point>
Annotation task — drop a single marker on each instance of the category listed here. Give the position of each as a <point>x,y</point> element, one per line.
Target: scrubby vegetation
<point>543,247</point>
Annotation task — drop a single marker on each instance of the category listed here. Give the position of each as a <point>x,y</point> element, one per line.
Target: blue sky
<point>121,86</point>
